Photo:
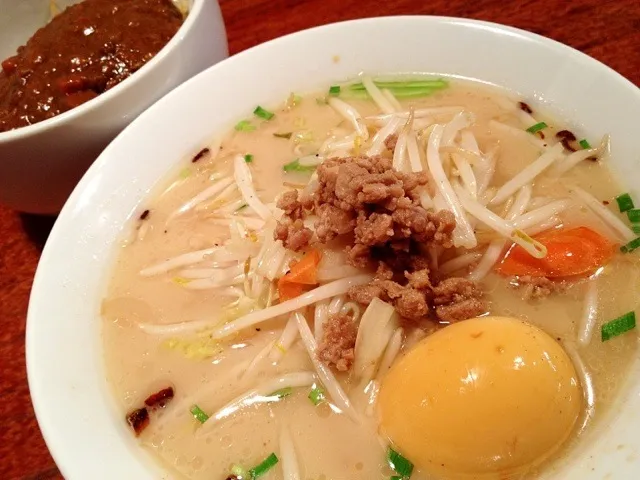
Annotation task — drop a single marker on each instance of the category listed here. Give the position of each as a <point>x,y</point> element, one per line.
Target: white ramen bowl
<point>72,400</point>
<point>40,164</point>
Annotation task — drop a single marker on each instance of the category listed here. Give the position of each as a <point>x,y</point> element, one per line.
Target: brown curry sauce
<point>87,49</point>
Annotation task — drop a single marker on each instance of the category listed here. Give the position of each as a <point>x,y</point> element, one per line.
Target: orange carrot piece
<point>306,270</point>
<point>302,274</point>
<point>288,290</point>
<point>574,251</point>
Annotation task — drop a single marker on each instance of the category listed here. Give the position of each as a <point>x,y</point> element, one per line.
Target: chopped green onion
<point>634,215</point>
<point>636,228</point>
<point>199,414</point>
<point>296,167</point>
<point>400,93</point>
<point>394,85</point>
<point>399,88</point>
<point>283,392</point>
<point>283,135</point>
<point>584,143</point>
<point>537,127</point>
<point>264,466</point>
<point>262,113</point>
<point>631,246</point>
<point>248,158</point>
<point>316,395</point>
<point>625,202</point>
<point>399,464</point>
<point>396,477</point>
<point>618,326</point>
<point>334,90</point>
<point>245,126</point>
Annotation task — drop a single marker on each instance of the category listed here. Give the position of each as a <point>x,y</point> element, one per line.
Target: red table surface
<point>606,30</point>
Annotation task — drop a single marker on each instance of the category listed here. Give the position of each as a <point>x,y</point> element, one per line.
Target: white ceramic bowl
<point>40,164</point>
<point>66,372</point>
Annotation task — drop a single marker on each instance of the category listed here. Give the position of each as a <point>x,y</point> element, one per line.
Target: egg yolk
<point>481,397</point>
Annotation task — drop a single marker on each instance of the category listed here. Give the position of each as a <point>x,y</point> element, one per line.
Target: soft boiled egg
<point>483,398</point>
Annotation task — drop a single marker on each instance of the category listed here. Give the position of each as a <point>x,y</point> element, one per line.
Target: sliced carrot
<point>288,290</point>
<point>574,251</point>
<point>302,275</point>
<point>306,270</point>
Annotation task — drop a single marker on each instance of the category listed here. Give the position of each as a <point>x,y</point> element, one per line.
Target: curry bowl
<point>42,162</point>
<point>67,340</point>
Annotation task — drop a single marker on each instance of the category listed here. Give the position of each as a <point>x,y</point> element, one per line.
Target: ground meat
<point>294,235</point>
<point>423,226</point>
<point>420,279</point>
<point>365,294</point>
<point>338,342</point>
<point>391,141</point>
<point>537,287</point>
<point>374,229</point>
<point>409,302</point>
<point>458,299</point>
<point>377,212</point>
<point>332,222</point>
<point>412,304</point>
<point>289,203</point>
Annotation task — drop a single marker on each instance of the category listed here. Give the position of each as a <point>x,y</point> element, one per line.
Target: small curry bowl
<point>40,164</point>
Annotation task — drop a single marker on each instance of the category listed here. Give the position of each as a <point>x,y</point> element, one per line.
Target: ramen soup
<point>395,278</point>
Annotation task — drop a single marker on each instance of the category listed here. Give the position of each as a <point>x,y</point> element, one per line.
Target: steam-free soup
<point>296,300</point>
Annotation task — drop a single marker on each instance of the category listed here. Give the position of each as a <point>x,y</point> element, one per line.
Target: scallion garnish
<point>334,90</point>
<point>634,215</point>
<point>399,464</point>
<point>396,477</point>
<point>625,202</point>
<point>584,143</point>
<point>399,88</point>
<point>248,158</point>
<point>618,326</point>
<point>296,167</point>
<point>537,127</point>
<point>395,85</point>
<point>245,126</point>
<point>264,466</point>
<point>631,246</point>
<point>199,414</point>
<point>281,393</point>
<point>636,229</point>
<point>316,395</point>
<point>262,113</point>
<point>286,135</point>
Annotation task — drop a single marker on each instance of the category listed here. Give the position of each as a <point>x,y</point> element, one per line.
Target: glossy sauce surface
<point>84,51</point>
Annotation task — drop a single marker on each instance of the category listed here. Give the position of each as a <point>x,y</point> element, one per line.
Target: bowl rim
<point>137,76</point>
<point>52,438</point>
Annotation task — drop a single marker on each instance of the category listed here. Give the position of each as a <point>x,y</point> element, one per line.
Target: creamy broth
<point>209,373</point>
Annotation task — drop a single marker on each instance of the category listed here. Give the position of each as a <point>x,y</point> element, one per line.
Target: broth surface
<point>329,446</point>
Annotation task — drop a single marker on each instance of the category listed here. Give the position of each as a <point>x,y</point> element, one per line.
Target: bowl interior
<point>66,372</point>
